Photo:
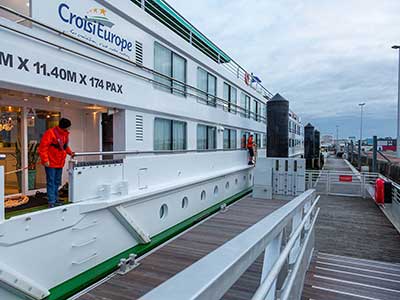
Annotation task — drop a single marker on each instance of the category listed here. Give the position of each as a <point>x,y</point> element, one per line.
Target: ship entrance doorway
<point>107,133</point>
<point>24,118</point>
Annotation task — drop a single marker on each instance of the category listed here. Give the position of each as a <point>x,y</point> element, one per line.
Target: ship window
<point>244,105</point>
<point>172,65</point>
<point>254,109</point>
<point>257,139</point>
<point>206,137</point>
<point>230,95</point>
<point>163,211</point>
<point>244,137</point>
<point>229,139</point>
<point>169,134</point>
<point>264,112</point>
<point>207,84</point>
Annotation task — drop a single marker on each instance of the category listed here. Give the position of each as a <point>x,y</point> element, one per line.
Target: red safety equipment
<point>380,191</point>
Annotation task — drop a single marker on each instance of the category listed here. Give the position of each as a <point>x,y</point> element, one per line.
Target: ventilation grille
<point>139,128</point>
<point>139,52</point>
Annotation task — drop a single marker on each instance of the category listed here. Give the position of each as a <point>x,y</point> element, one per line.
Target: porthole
<point>250,177</point>
<point>216,190</point>
<point>203,195</point>
<point>227,185</point>
<point>244,178</point>
<point>163,211</point>
<point>236,181</point>
<point>185,202</point>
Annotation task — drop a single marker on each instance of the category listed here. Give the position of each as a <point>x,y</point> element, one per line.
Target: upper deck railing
<point>169,17</point>
<point>176,86</point>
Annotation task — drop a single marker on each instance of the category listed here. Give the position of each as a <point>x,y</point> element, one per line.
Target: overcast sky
<point>324,56</point>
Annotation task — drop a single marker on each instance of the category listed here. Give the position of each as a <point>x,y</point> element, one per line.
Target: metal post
<point>374,153</point>
<point>337,139</point>
<point>398,112</point>
<point>359,155</point>
<point>352,152</point>
<point>360,141</point>
<point>2,212</point>
<point>24,151</point>
<point>397,47</point>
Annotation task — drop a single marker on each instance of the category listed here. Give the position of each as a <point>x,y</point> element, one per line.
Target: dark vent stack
<point>277,127</point>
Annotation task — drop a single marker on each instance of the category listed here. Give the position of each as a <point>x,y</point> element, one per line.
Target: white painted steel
<point>220,269</point>
<point>22,284</point>
<point>276,178</point>
<point>81,232</point>
<point>267,284</point>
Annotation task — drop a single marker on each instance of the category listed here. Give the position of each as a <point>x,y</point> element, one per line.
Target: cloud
<point>324,56</point>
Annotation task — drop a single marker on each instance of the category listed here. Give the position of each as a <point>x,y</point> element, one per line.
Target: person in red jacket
<point>251,149</point>
<point>53,150</point>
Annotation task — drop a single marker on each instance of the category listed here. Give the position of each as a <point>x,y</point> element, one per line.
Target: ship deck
<point>357,252</point>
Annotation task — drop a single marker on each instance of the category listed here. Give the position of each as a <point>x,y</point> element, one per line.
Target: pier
<point>357,250</point>
<point>356,255</point>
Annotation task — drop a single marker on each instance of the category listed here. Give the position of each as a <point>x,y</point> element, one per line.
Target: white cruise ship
<point>160,115</point>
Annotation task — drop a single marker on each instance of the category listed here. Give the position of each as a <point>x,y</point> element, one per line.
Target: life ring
<point>247,78</point>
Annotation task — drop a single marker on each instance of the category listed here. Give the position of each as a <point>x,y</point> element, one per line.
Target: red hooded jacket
<point>54,147</point>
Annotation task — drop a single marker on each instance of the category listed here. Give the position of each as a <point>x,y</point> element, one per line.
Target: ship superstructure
<point>160,114</point>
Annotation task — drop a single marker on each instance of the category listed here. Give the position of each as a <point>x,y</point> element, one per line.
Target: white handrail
<point>266,285</point>
<point>220,269</point>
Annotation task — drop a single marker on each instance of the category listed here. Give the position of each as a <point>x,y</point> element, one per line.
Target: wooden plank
<point>187,249</point>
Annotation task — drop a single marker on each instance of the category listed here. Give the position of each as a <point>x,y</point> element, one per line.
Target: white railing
<point>153,77</point>
<point>188,35</point>
<point>212,276</point>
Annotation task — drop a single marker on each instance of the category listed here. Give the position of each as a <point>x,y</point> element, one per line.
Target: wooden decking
<point>186,249</point>
<point>332,277</point>
<point>357,250</point>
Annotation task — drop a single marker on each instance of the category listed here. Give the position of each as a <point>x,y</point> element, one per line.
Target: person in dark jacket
<point>53,150</point>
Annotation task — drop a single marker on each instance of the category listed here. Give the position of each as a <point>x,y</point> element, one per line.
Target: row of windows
<point>171,135</point>
<point>173,65</point>
<point>294,128</point>
<point>295,143</point>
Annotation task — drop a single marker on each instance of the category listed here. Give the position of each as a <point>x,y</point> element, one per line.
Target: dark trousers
<point>53,178</point>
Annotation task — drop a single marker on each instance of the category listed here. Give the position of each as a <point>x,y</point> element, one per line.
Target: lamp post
<point>337,138</point>
<point>360,141</point>
<point>397,47</point>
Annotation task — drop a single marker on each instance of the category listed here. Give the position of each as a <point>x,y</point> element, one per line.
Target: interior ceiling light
<point>25,99</point>
<point>48,98</point>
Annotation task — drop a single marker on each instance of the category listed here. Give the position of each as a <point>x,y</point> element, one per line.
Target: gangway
<point>259,249</point>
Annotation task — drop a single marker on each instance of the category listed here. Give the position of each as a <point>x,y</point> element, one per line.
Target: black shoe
<point>51,205</point>
<point>58,203</point>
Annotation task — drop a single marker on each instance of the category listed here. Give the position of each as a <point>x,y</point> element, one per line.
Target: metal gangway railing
<point>355,184</point>
<point>287,239</point>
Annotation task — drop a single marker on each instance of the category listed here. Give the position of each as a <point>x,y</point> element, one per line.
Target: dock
<point>357,250</point>
<point>356,255</point>
<point>187,248</point>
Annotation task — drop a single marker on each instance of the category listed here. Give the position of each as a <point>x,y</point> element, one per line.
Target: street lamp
<point>396,47</point>
<point>337,139</point>
<point>360,141</point>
